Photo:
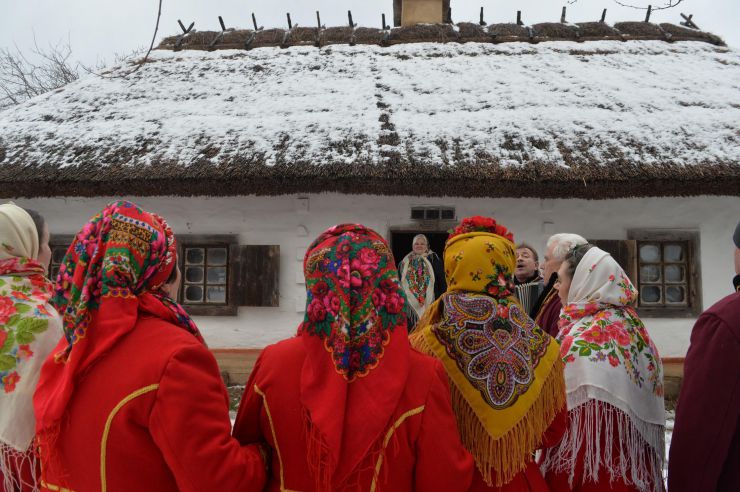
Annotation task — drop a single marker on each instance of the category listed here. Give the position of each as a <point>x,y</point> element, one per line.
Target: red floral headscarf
<point>357,348</point>
<point>114,268</point>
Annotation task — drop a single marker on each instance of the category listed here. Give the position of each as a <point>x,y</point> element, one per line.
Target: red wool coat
<point>705,448</point>
<point>549,314</point>
<point>151,415</point>
<point>422,448</point>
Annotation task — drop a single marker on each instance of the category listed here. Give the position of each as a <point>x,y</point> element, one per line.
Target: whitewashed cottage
<point>253,142</point>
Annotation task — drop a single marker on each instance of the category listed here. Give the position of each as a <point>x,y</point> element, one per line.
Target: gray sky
<point>96,29</point>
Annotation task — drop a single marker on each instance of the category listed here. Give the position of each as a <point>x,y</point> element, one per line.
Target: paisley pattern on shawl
<point>494,343</point>
<point>506,374</point>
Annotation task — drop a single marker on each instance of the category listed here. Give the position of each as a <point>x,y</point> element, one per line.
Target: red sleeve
<point>557,428</point>
<point>708,408</point>
<point>247,428</point>
<point>190,424</point>
<point>442,463</point>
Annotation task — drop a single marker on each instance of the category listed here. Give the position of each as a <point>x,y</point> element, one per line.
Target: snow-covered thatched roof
<point>594,117</point>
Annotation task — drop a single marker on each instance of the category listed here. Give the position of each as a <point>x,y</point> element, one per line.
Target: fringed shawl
<point>614,379</point>
<point>506,373</point>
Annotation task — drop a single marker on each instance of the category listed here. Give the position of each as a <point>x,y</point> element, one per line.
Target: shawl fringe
<point>508,455</point>
<point>322,468</point>
<point>637,459</point>
<point>12,462</point>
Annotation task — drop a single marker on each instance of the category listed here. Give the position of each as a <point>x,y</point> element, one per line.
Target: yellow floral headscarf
<point>507,377</point>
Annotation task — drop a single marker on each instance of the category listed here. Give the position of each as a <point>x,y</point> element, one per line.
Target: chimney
<point>410,12</point>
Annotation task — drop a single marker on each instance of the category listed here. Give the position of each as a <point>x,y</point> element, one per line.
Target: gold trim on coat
<point>387,439</point>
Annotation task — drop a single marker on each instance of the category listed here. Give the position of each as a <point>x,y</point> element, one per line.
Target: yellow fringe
<point>508,455</point>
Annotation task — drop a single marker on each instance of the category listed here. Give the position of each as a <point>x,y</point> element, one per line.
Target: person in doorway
<point>527,278</point>
<point>546,311</point>
<point>347,404</point>
<point>614,377</point>
<point>131,398</point>
<point>506,374</point>
<point>705,448</point>
<point>29,330</point>
<point>422,275</point>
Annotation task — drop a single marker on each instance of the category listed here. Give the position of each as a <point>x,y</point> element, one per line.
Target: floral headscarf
<point>29,327</point>
<point>610,358</point>
<point>115,267</point>
<point>506,374</point>
<point>357,348</point>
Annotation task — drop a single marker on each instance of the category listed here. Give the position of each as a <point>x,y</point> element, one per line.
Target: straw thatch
<point>463,32</point>
<point>425,110</point>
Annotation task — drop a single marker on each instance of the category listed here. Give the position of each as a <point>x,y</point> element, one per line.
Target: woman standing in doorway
<point>422,275</point>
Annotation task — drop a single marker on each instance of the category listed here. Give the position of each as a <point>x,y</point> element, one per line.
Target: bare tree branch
<point>669,4</point>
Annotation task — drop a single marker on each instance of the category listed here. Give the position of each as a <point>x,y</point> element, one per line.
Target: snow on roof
<point>592,120</point>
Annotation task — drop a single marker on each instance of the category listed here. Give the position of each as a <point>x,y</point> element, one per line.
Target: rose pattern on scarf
<point>354,300</point>
<point>23,293</point>
<point>613,335</point>
<point>494,343</point>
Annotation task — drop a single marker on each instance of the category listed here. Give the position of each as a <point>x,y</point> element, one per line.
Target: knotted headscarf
<point>610,358</point>
<point>29,328</point>
<point>114,268</point>
<point>354,333</point>
<point>507,377</point>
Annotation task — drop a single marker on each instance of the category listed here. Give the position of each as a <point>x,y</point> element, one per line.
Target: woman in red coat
<point>131,399</point>
<point>508,391</point>
<point>347,404</point>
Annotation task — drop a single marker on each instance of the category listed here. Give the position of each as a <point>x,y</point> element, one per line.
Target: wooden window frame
<point>231,243</point>
<point>56,241</point>
<point>693,273</point>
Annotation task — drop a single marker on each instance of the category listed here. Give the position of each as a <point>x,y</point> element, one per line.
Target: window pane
<point>432,213</point>
<point>673,252</point>
<point>58,254</point>
<point>216,294</point>
<point>194,274</point>
<point>675,294</point>
<point>650,273</point>
<point>674,273</point>
<point>216,256</point>
<point>649,253</point>
<point>417,213</point>
<point>194,256</point>
<point>217,275</point>
<point>193,293</point>
<point>650,294</point>
<point>448,213</point>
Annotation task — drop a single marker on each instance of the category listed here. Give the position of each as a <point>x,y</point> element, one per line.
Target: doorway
<point>401,241</point>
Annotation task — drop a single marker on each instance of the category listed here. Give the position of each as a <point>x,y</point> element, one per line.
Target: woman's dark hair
<point>38,221</point>
<point>574,256</point>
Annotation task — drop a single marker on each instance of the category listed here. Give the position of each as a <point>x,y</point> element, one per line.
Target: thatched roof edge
<point>463,32</point>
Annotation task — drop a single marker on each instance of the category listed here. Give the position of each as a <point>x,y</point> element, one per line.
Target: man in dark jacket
<point>705,450</point>
<point>546,311</point>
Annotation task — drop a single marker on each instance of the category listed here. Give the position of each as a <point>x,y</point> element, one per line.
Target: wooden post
<point>562,16</point>
<point>481,21</point>
<point>519,18</point>
<point>221,21</point>
<point>318,20</point>
<point>254,22</point>
<point>649,11</point>
<point>349,16</point>
<point>603,16</point>
<point>290,23</point>
<point>384,25</point>
<point>688,22</point>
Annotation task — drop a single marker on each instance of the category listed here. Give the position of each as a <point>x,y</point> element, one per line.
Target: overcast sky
<point>97,29</point>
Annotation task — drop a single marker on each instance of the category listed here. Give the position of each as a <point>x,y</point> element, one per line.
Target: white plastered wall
<point>292,222</point>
